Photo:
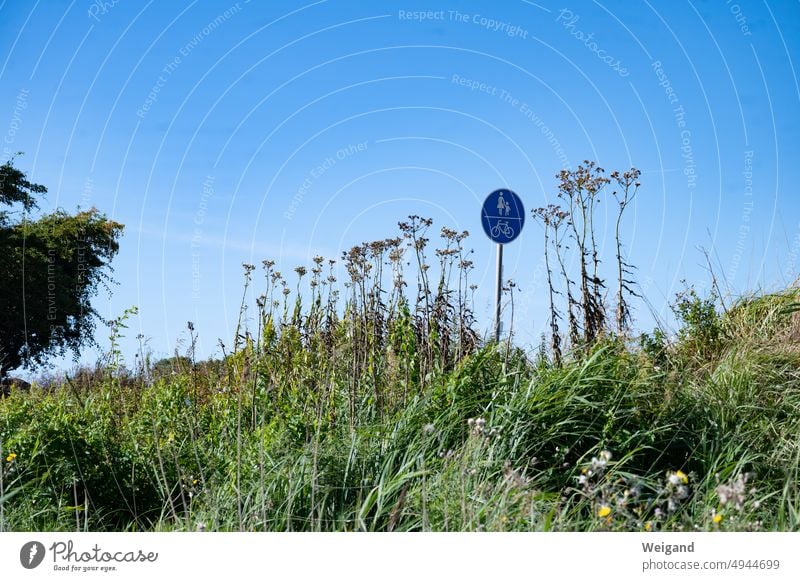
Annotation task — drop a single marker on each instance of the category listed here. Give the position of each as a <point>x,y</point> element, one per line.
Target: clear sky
<point>228,132</point>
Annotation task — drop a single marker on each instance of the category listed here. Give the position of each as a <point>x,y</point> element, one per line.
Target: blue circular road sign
<point>503,216</point>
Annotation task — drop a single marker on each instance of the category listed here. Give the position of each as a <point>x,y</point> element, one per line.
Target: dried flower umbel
<point>734,493</point>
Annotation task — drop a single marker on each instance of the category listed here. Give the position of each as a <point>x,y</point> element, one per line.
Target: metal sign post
<point>498,292</point>
<point>502,217</point>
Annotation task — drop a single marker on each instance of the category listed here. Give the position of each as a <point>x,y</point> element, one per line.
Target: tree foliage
<point>52,268</point>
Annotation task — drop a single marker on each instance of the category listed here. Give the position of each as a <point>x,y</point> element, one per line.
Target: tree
<point>52,267</point>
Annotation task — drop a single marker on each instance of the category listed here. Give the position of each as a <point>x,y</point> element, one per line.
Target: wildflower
<point>11,457</point>
<point>717,518</point>
<point>513,477</point>
<point>677,478</point>
<point>428,429</point>
<point>604,511</point>
<point>598,465</point>
<point>648,526</point>
<point>476,425</point>
<point>733,493</point>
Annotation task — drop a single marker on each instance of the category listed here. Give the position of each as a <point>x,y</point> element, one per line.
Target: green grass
<point>388,416</point>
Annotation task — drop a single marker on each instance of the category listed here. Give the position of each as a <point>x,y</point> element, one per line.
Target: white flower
<point>733,493</point>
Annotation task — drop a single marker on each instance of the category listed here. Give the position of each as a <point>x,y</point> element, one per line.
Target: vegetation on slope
<point>388,413</point>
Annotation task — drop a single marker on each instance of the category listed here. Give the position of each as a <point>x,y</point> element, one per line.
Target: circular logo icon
<point>503,216</point>
<point>31,554</point>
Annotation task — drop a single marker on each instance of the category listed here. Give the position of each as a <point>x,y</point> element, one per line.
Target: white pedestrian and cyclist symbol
<point>503,216</point>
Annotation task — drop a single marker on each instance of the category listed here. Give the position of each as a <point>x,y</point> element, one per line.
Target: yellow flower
<point>604,511</point>
<point>682,477</point>
<point>648,526</point>
<point>11,457</point>
<point>717,519</point>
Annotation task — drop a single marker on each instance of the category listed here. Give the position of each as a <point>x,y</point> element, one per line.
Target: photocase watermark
<point>82,268</point>
<point>679,113</point>
<point>421,15</point>
<point>100,8</point>
<point>747,211</point>
<point>52,311</point>
<point>533,292</point>
<point>87,193</point>
<point>85,201</point>
<point>67,558</point>
<point>508,99</point>
<point>320,170</point>
<point>171,66</point>
<point>510,30</point>
<point>20,104</point>
<point>206,31</point>
<point>741,19</point>
<point>491,24</point>
<point>197,236</point>
<point>569,20</point>
<point>32,554</point>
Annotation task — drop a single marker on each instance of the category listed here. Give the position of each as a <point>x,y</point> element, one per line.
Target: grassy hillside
<point>380,411</point>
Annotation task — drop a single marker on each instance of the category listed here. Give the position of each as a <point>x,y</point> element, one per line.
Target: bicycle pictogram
<point>503,228</point>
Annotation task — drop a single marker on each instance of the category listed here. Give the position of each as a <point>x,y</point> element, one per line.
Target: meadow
<point>374,404</point>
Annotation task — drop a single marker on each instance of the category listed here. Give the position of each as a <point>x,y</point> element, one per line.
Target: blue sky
<point>229,132</point>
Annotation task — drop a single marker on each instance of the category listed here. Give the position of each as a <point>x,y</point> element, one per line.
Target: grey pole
<point>498,293</point>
